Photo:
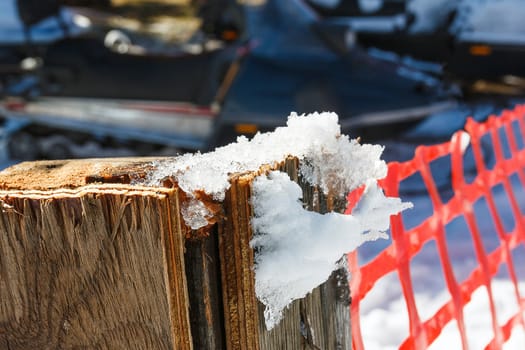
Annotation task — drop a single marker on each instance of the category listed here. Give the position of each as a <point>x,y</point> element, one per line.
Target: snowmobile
<point>480,61</point>
<point>244,77</point>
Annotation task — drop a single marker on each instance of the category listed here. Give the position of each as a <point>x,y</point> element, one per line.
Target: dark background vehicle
<point>213,86</point>
<point>482,60</point>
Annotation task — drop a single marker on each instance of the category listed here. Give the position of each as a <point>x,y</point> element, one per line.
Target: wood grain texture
<point>203,276</point>
<point>90,261</point>
<point>93,268</point>
<point>321,320</point>
<point>241,317</point>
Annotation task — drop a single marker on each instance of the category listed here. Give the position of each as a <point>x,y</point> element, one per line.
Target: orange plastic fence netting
<point>506,134</point>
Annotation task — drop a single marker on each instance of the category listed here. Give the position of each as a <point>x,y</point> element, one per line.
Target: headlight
<point>81,21</point>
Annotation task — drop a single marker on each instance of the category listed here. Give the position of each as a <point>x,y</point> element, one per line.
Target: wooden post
<point>90,266</point>
<point>90,260</point>
<point>319,321</point>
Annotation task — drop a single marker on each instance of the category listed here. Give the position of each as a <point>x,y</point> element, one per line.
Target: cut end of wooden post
<point>89,260</point>
<point>56,174</point>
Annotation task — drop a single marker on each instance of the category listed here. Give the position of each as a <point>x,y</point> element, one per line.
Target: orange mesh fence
<point>505,134</point>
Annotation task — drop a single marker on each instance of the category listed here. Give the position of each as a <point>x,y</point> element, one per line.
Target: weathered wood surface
<point>90,260</point>
<point>319,321</point>
<point>96,266</point>
<point>67,174</point>
<point>203,276</point>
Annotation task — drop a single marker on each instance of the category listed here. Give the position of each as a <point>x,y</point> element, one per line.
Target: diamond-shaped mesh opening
<point>428,281</point>
<point>485,224</point>
<point>462,256</point>
<point>503,208</point>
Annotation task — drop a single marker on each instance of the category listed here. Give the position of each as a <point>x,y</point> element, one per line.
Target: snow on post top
<point>330,160</point>
<point>296,249</point>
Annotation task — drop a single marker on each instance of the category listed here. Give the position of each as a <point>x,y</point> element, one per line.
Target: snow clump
<point>297,250</point>
<point>330,160</point>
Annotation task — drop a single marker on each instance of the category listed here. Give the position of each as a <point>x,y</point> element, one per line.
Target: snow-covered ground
<point>385,327</point>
